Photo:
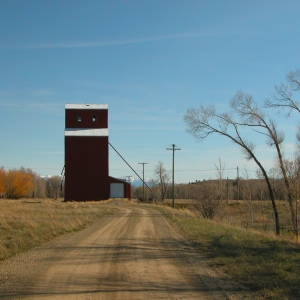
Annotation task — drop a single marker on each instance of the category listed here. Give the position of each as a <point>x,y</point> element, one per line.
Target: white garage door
<point>116,190</point>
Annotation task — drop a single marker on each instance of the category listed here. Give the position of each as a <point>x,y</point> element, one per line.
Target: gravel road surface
<point>132,254</point>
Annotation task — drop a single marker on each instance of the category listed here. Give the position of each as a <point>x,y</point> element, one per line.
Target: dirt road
<point>132,254</point>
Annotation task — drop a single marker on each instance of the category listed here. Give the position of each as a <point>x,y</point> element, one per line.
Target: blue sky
<point>149,61</point>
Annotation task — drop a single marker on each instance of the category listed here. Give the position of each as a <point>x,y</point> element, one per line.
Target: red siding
<point>86,118</point>
<point>86,168</point>
<point>86,157</point>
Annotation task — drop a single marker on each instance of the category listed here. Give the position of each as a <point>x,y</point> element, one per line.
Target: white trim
<point>86,106</point>
<point>86,132</point>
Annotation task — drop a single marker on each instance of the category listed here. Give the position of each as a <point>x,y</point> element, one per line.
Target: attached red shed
<point>119,188</point>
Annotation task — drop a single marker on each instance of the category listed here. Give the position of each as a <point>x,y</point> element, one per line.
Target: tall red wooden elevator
<point>87,155</point>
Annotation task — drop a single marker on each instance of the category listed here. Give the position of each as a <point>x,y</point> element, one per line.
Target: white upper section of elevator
<point>86,106</point>
<point>86,132</point>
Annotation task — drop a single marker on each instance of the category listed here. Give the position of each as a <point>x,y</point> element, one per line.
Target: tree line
<point>220,188</point>
<point>24,183</point>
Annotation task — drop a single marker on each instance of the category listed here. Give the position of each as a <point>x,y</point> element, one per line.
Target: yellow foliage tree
<point>2,182</point>
<point>18,184</point>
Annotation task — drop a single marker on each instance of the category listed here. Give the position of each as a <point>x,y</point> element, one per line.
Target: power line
<point>129,165</point>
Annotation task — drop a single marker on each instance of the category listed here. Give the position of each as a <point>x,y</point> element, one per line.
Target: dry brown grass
<point>238,214</point>
<point>265,263</point>
<point>28,223</point>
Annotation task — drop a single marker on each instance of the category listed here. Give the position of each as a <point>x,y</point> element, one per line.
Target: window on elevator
<point>94,118</point>
<point>79,118</point>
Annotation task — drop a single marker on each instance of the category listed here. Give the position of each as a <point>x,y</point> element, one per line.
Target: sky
<point>150,61</point>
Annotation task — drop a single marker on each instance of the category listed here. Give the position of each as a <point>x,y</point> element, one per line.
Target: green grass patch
<point>266,264</point>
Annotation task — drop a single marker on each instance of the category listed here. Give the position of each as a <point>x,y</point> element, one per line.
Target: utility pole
<point>143,163</point>
<point>173,149</point>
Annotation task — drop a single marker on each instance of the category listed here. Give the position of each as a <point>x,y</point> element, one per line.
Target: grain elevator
<point>87,155</point>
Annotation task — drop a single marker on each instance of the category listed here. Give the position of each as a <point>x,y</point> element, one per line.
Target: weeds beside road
<point>262,262</point>
<point>28,223</point>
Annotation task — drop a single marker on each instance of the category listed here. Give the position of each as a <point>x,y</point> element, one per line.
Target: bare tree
<point>248,194</point>
<point>205,121</point>
<point>162,177</point>
<point>207,202</point>
<point>154,193</point>
<point>220,167</point>
<point>284,99</point>
<point>292,168</point>
<point>220,186</point>
<point>53,187</point>
<point>39,190</point>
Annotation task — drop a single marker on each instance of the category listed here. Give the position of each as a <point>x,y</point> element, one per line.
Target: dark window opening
<point>94,119</point>
<point>79,118</point>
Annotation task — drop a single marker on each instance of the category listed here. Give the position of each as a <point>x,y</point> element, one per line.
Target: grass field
<point>256,215</point>
<point>255,258</point>
<point>26,224</point>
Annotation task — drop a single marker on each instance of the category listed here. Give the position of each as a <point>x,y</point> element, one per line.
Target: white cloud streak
<point>65,45</point>
<point>43,92</point>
